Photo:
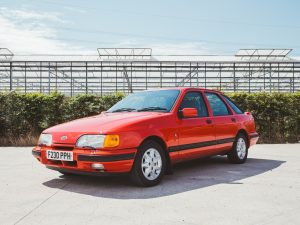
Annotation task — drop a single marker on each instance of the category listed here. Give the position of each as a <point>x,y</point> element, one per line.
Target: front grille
<point>63,163</point>
<point>63,148</point>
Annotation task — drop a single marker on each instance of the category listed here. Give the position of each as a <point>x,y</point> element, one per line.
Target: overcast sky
<point>168,26</point>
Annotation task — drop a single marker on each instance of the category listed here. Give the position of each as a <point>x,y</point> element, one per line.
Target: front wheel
<point>149,164</point>
<point>239,151</point>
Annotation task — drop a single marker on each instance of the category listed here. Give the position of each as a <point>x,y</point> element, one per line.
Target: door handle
<point>208,121</point>
<point>233,119</point>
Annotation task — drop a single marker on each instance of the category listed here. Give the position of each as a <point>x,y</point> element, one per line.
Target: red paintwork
<point>134,127</point>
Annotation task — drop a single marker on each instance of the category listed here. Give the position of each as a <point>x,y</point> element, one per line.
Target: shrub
<point>276,114</point>
<point>24,116</point>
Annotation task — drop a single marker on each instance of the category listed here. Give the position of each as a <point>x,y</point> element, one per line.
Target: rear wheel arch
<point>244,132</point>
<point>239,152</point>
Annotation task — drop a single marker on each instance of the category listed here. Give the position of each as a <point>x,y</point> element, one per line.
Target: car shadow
<point>187,176</point>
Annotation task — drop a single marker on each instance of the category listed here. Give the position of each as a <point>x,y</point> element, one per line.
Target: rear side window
<point>217,105</point>
<point>194,100</point>
<point>236,109</point>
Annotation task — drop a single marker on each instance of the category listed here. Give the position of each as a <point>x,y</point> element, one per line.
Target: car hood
<point>100,124</point>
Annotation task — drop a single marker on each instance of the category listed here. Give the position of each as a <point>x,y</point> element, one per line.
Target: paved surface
<point>265,190</point>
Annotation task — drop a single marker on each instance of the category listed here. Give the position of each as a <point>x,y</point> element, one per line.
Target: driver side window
<point>194,100</point>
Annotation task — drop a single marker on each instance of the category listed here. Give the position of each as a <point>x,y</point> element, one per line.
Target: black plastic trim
<point>105,158</point>
<point>200,144</point>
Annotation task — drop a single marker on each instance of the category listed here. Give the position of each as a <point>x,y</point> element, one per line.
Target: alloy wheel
<point>241,148</point>
<point>151,164</point>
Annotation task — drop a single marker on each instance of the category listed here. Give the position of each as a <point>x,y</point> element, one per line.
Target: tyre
<point>239,151</point>
<point>149,164</point>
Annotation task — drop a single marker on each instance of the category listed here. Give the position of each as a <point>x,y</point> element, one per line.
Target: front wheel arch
<point>163,144</point>
<point>137,174</point>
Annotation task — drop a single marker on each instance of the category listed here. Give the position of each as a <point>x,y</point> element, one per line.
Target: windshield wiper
<point>124,110</point>
<point>153,108</point>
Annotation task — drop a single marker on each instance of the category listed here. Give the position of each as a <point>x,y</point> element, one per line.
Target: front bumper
<point>83,172</point>
<point>115,161</point>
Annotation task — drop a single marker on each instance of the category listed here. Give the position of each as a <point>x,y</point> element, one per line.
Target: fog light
<point>97,166</point>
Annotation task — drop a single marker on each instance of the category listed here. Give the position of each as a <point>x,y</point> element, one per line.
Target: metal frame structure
<point>128,70</point>
<point>6,54</point>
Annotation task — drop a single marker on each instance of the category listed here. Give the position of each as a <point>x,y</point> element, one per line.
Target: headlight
<point>45,140</point>
<point>97,141</point>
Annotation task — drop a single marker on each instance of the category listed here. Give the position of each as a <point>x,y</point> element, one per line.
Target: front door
<point>196,135</point>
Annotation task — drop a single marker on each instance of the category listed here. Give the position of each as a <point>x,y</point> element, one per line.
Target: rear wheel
<point>149,164</point>
<point>239,151</point>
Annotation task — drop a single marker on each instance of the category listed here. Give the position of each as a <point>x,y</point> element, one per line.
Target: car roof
<point>185,89</point>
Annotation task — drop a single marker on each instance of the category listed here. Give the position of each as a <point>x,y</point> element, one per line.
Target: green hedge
<point>24,116</point>
<point>277,115</point>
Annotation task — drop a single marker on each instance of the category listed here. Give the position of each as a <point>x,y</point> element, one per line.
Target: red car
<point>147,132</point>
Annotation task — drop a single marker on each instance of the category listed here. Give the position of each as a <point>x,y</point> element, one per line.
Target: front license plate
<point>59,155</point>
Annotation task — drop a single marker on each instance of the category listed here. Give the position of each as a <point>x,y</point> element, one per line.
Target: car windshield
<point>162,100</point>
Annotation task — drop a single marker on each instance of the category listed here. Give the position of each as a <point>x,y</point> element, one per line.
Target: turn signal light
<point>111,141</point>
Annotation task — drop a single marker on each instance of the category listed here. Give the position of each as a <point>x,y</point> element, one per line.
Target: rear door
<point>224,120</point>
<point>196,135</point>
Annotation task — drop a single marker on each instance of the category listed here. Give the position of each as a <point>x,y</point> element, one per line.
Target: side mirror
<point>188,113</point>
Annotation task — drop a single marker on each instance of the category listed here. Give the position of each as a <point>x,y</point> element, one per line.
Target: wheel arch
<point>244,132</point>
<point>163,144</point>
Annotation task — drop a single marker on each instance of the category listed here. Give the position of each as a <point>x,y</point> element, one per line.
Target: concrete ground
<point>265,190</point>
